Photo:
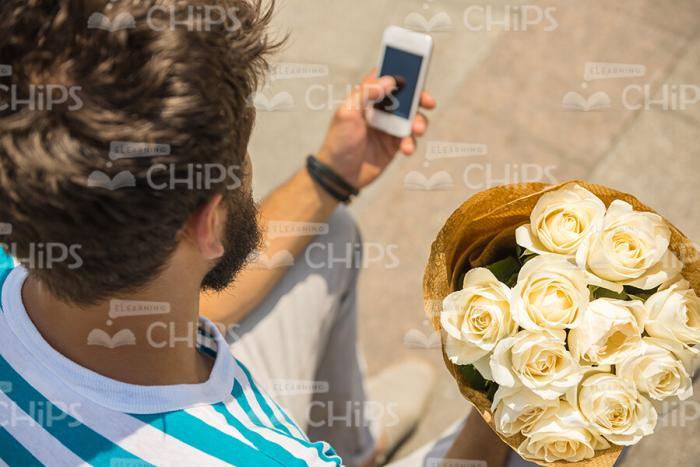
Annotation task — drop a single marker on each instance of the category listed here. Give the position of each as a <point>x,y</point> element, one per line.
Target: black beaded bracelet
<point>330,181</point>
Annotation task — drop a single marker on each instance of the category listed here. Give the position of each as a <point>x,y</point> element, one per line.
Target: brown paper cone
<point>480,232</point>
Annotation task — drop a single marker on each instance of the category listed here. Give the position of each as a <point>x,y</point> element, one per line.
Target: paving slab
<point>292,117</point>
<point>681,90</point>
<point>337,43</point>
<point>677,16</point>
<point>501,119</point>
<point>536,79</point>
<point>658,160</point>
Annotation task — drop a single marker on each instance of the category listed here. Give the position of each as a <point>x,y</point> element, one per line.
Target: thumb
<point>371,90</point>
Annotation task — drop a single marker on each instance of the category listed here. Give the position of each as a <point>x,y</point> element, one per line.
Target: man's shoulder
<point>246,428</point>
<point>228,432</point>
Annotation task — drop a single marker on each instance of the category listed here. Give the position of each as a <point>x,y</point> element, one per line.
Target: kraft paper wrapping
<point>482,231</point>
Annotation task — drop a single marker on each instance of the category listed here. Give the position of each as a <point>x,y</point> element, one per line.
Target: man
<point>114,122</point>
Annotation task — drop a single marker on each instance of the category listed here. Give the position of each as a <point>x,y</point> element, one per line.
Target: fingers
<point>379,89</point>
<point>370,76</point>
<point>375,89</point>
<point>427,101</point>
<point>408,145</point>
<point>371,89</point>
<point>420,125</point>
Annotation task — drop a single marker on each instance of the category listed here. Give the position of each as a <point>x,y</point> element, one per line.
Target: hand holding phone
<point>363,137</point>
<point>405,56</point>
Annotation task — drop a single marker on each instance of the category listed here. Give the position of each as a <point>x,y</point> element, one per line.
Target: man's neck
<point>147,338</point>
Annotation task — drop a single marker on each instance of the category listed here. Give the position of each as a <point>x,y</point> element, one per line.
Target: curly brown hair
<point>176,73</point>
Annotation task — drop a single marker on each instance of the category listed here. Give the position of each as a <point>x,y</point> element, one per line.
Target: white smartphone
<point>405,56</point>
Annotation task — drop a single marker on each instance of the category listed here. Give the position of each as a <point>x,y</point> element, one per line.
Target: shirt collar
<point>110,393</point>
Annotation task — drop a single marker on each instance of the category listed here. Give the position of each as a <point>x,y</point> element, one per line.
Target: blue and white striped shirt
<point>55,412</point>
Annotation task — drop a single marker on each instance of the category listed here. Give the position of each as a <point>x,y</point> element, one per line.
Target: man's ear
<point>205,228</point>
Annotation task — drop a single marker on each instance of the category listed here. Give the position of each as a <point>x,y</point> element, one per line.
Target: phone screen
<point>405,67</point>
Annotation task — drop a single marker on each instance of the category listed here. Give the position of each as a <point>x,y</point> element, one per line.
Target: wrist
<point>336,162</point>
<point>324,202</point>
<point>329,180</point>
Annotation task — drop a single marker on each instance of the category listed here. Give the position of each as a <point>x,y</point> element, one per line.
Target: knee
<point>337,251</point>
<point>343,228</point>
<point>343,241</point>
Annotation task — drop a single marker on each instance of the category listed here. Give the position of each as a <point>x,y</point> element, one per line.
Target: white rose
<point>562,434</point>
<point>674,314</point>
<point>551,293</point>
<point>662,369</point>
<point>611,330</point>
<point>536,360</point>
<point>476,318</point>
<point>615,408</point>
<point>516,410</point>
<point>561,220</point>
<point>631,249</point>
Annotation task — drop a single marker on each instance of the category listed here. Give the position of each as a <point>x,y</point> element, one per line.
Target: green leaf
<point>475,381</point>
<point>505,269</point>
<point>523,254</point>
<point>639,294</point>
<point>512,281</point>
<point>593,289</point>
<point>493,387</point>
<point>528,257</point>
<point>473,378</point>
<point>605,293</point>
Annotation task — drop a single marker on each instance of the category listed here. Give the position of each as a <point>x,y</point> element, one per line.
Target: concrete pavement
<point>515,99</point>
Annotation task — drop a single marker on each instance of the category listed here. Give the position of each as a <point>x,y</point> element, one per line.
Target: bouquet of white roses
<point>564,318</point>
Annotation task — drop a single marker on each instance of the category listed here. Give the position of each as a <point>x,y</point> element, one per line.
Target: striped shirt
<point>55,412</point>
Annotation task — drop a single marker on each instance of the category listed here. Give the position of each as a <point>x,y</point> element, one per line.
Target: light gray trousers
<point>300,344</point>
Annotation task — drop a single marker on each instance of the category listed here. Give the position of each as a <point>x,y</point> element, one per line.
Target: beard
<point>241,238</point>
